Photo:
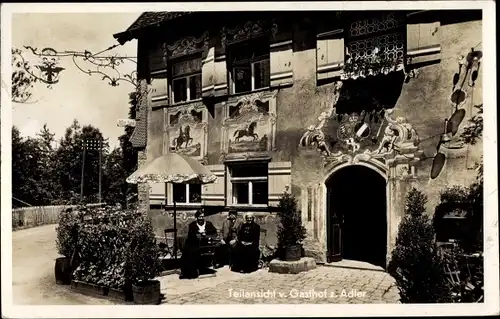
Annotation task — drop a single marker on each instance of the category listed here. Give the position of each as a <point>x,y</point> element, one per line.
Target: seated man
<point>190,259</point>
<point>230,228</point>
<point>247,253</point>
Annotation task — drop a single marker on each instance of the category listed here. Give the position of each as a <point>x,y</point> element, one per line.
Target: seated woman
<point>190,260</point>
<point>246,252</point>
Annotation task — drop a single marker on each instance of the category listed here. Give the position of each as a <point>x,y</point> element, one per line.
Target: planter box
<point>98,291</point>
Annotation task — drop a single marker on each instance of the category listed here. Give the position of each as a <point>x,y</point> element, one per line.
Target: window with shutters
<point>249,184</point>
<point>186,193</point>
<point>186,79</point>
<point>249,65</point>
<point>375,44</point>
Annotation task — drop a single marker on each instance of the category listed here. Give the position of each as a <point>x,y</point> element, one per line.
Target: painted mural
<point>186,130</point>
<point>249,124</point>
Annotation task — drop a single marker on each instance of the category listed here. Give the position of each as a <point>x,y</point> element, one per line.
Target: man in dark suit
<point>230,228</point>
<point>198,230</point>
<point>247,252</point>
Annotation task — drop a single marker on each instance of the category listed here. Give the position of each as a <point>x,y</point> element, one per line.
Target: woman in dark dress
<point>247,252</point>
<point>190,260</point>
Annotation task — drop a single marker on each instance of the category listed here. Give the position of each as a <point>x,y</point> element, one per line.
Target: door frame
<point>382,171</point>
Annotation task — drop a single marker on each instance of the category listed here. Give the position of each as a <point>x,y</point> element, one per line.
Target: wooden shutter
<point>157,194</point>
<point>281,56</point>
<point>208,73</point>
<point>159,78</point>
<point>214,194</point>
<point>279,178</point>
<point>330,54</point>
<point>220,74</point>
<point>422,39</point>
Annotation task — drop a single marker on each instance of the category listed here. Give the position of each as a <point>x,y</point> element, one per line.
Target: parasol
<point>173,168</point>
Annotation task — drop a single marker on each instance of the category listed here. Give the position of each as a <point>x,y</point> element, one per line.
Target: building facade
<point>346,110</point>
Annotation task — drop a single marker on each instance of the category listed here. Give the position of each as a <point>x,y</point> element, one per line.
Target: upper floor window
<point>187,193</point>
<point>249,184</point>
<point>249,65</point>
<point>186,80</point>
<point>377,40</point>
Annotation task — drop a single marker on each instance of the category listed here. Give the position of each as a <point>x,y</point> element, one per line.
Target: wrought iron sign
<point>49,65</point>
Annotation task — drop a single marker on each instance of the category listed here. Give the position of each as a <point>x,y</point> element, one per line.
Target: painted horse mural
<point>238,134</point>
<point>183,137</point>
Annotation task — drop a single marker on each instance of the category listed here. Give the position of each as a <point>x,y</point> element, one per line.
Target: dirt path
<point>33,283</point>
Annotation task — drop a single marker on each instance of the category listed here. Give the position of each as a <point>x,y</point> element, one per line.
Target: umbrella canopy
<point>173,168</point>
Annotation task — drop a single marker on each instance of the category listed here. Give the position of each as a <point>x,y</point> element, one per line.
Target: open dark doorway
<point>357,215</point>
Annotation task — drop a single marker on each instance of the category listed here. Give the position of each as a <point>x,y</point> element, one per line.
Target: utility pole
<point>83,170</point>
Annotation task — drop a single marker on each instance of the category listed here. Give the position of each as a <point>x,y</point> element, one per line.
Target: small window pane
<point>261,74</point>
<point>195,193</point>
<point>242,78</point>
<point>240,193</point>
<point>195,87</point>
<point>260,192</point>
<point>180,90</point>
<point>179,191</point>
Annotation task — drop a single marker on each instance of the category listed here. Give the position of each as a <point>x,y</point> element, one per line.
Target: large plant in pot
<point>291,232</point>
<point>142,263</point>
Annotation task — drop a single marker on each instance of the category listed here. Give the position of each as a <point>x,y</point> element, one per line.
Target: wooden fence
<point>28,217</point>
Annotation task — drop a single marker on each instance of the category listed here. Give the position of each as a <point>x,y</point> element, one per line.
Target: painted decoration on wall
<point>249,124</point>
<point>373,137</point>
<point>186,130</point>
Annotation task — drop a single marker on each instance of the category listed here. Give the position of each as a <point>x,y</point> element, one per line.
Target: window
<point>249,184</point>
<point>187,193</point>
<point>249,65</point>
<point>186,80</point>
<point>381,36</point>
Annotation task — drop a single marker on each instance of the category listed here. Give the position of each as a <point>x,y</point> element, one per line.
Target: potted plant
<point>291,232</point>
<point>142,263</point>
<point>67,233</point>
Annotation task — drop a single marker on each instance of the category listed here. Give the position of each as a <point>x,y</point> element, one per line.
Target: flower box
<point>98,291</point>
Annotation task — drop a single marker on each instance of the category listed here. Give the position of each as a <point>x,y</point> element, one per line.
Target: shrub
<point>415,262</point>
<point>142,253</point>
<point>290,230</point>
<point>116,248</point>
<point>67,231</point>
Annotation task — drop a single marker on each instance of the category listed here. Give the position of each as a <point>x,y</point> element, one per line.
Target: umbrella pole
<point>175,230</point>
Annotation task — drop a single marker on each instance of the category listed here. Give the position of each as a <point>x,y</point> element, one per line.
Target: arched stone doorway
<point>357,215</point>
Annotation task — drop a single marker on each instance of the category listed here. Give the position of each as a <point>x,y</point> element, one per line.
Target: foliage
<point>373,65</point>
<point>142,255</point>
<point>474,130</point>
<point>290,230</point>
<point>22,81</point>
<point>67,232</point>
<point>116,248</point>
<point>415,262</point>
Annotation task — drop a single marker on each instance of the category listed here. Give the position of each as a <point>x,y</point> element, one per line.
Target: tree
<point>129,153</point>
<point>474,130</point>
<point>68,163</point>
<point>415,263</point>
<point>291,232</point>
<point>115,176</point>
<point>22,80</point>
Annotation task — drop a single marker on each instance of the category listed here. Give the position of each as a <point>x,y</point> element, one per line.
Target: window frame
<point>186,76</point>
<point>187,193</point>
<point>250,180</point>
<point>249,62</point>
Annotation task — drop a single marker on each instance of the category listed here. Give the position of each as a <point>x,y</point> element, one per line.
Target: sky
<point>87,98</point>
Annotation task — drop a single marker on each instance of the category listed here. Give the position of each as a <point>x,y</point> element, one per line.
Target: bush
<point>67,231</point>
<point>415,263</point>
<point>290,230</point>
<point>142,254</point>
<point>115,249</point>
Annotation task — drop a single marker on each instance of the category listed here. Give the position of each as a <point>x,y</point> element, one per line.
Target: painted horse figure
<point>248,132</point>
<point>184,137</point>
